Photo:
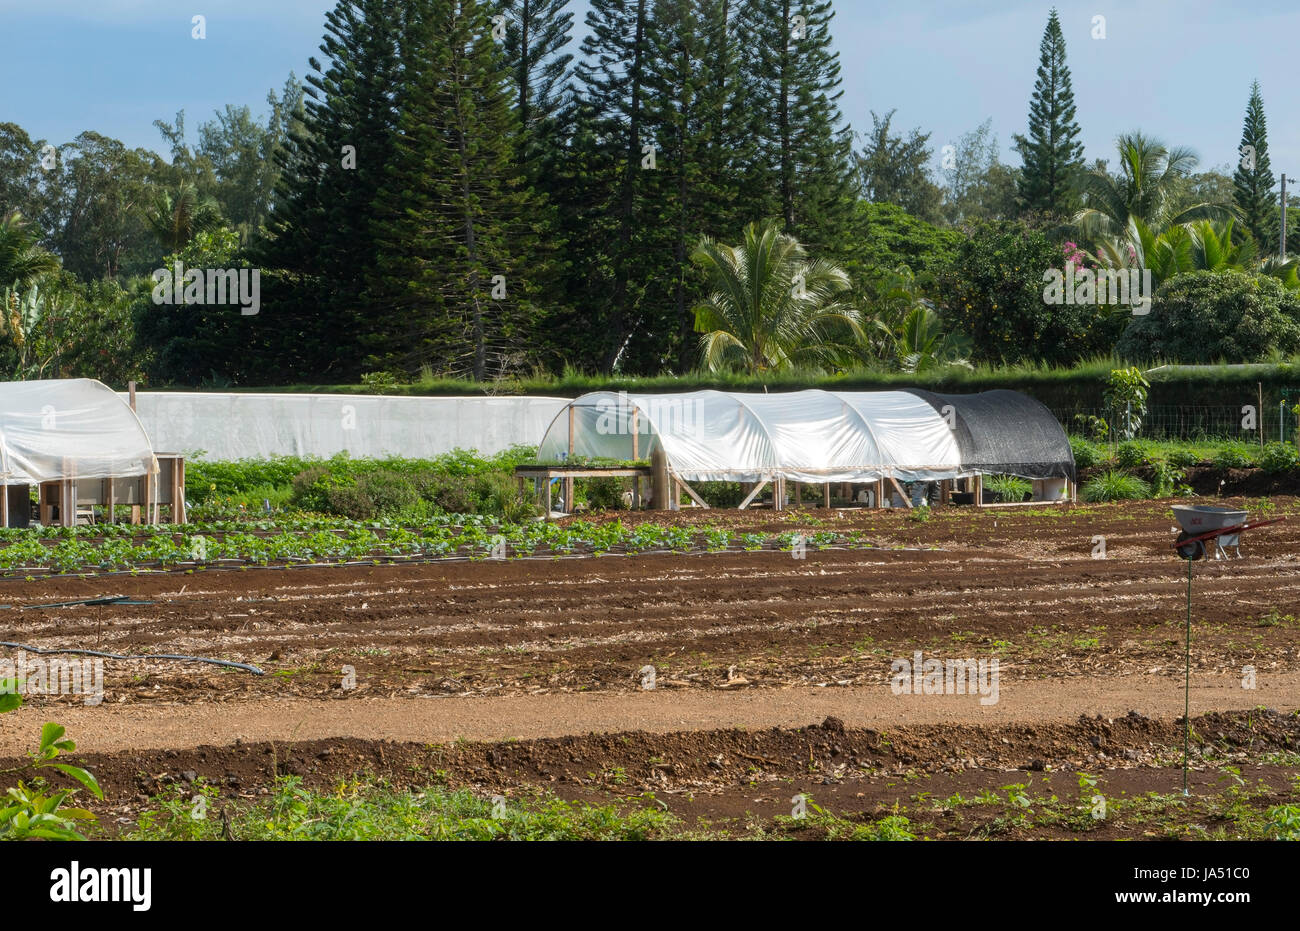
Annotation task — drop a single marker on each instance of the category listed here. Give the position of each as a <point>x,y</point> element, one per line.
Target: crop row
<point>208,544</point>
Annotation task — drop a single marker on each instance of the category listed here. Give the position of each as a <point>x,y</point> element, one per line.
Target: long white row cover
<point>816,436</point>
<point>69,428</point>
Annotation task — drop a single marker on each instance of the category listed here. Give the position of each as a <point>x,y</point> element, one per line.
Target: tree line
<point>457,189</point>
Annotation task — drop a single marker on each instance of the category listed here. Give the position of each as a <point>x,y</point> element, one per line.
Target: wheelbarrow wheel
<point>1193,550</point>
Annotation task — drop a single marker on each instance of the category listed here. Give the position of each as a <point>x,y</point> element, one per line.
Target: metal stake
<point>1187,678</point>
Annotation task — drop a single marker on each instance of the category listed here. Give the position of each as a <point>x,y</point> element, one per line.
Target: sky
<point>1180,70</point>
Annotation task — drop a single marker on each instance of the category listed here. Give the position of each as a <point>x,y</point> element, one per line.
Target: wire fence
<point>1223,422</point>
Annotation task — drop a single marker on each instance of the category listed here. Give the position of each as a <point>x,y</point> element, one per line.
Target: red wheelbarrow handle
<point>1224,531</point>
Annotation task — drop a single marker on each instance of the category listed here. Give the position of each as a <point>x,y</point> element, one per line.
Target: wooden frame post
<point>754,492</point>
<point>826,496</point>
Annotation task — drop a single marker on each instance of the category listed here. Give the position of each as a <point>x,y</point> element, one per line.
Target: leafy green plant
<point>32,809</point>
<point>1279,457</point>
<point>1131,455</point>
<point>1086,454</point>
<point>1126,395</point>
<point>1168,480</point>
<point>370,809</point>
<point>1234,456</point>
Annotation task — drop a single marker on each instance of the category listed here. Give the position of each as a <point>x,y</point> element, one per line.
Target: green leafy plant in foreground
<point>32,810</point>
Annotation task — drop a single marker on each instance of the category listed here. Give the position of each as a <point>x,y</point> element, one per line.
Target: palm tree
<point>22,261</point>
<point>903,330</point>
<point>1145,189</point>
<point>1199,245</point>
<point>923,345</point>
<point>176,217</point>
<point>771,307</point>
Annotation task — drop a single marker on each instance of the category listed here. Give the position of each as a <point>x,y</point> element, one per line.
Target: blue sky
<point>1178,69</point>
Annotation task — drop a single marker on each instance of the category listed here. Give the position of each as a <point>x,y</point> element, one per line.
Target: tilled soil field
<point>742,632</point>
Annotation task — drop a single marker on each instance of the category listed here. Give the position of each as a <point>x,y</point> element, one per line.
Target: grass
<point>1114,485</point>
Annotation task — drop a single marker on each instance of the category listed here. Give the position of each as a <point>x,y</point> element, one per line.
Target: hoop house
<point>817,436</point>
<point>73,428</point>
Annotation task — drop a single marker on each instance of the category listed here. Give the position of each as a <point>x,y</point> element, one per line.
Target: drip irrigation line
<point>174,656</point>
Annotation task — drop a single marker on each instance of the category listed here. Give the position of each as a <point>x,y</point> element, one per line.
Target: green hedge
<point>1058,388</point>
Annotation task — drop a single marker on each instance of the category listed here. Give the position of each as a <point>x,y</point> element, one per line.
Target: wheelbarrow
<point>1203,523</point>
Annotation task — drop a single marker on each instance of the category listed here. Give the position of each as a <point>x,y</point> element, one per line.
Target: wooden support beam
<point>758,487</point>
<point>907,502</point>
<point>691,491</point>
<point>945,492</point>
<point>826,496</point>
<point>880,493</point>
<point>548,497</point>
<point>977,482</point>
<point>778,493</point>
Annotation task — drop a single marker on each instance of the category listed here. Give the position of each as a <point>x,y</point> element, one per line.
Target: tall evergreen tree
<point>794,80</point>
<point>687,117</point>
<point>1253,181</point>
<point>453,220</point>
<point>535,35</point>
<point>616,168</point>
<point>1052,154</point>
<point>320,252</point>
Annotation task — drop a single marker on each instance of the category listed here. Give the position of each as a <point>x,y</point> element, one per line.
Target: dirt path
<point>110,728</point>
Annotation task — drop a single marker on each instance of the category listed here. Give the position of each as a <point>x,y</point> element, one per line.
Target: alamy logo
<point>105,884</point>
<point>35,675</point>
<point>670,414</point>
<point>920,676</point>
<point>236,286</point>
<point>1131,286</point>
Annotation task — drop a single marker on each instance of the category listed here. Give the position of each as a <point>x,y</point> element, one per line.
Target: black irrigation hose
<point>196,659</point>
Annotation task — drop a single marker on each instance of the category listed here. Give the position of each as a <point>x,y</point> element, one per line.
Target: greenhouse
<point>820,437</point>
<point>84,447</point>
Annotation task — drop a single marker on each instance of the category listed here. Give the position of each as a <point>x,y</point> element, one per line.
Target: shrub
<point>1115,486</point>
<point>1168,479</point>
<point>1086,455</point>
<point>1234,456</point>
<point>386,492</point>
<point>993,292</point>
<point>1208,317</point>
<point>604,494</point>
<point>1130,455</point>
<point>1184,459</point>
<point>1279,457</point>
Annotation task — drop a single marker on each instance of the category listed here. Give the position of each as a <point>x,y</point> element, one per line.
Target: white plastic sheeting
<point>804,436</point>
<point>226,426</point>
<point>69,428</point>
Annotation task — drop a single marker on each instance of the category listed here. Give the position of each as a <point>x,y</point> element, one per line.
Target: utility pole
<point>1282,241</point>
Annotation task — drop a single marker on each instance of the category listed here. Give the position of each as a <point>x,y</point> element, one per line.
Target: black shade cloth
<point>1006,432</point>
